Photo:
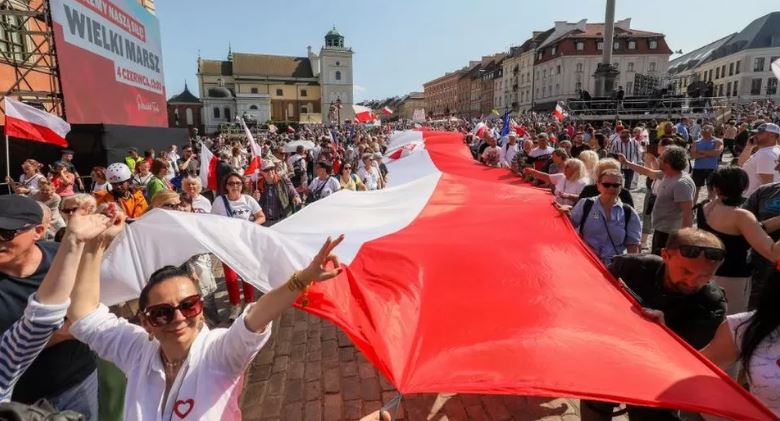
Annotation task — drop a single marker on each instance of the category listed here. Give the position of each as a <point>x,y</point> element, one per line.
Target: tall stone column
<point>606,73</point>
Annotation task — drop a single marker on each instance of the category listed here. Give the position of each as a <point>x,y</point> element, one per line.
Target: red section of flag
<point>558,113</point>
<point>387,111</point>
<point>212,176</point>
<point>434,315</point>
<point>26,130</point>
<point>254,165</point>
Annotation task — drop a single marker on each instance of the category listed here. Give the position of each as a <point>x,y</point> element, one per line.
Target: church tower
<point>335,68</point>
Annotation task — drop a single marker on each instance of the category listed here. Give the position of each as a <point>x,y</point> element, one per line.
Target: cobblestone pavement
<point>309,370</point>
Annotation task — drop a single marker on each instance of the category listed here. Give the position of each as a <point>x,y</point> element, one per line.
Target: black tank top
<point>736,264</point>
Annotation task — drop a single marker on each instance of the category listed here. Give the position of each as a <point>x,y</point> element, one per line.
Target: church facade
<point>278,88</point>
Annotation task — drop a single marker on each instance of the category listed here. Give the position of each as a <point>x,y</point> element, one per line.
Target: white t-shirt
<point>762,162</point>
<point>331,186</point>
<point>537,151</point>
<point>562,185</point>
<point>370,178</point>
<point>98,187</point>
<point>31,182</point>
<point>201,204</point>
<point>244,208</point>
<point>508,153</point>
<point>764,367</point>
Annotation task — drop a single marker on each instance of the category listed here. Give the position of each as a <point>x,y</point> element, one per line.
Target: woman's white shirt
<point>209,382</point>
<point>201,204</point>
<point>562,185</point>
<point>764,367</point>
<point>244,208</point>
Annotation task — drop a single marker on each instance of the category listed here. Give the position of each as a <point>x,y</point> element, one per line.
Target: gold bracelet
<point>295,283</point>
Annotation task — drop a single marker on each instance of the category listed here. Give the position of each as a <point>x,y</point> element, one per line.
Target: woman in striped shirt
<point>46,309</point>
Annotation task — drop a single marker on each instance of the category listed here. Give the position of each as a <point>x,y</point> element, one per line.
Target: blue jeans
<point>81,398</point>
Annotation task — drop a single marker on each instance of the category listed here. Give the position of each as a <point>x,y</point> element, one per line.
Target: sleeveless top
<point>736,263</point>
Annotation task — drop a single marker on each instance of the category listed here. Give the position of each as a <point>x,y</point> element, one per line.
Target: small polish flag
<point>480,129</point>
<point>290,130</point>
<point>363,114</point>
<point>27,122</point>
<point>208,168</point>
<point>387,111</point>
<point>558,113</point>
<point>255,151</point>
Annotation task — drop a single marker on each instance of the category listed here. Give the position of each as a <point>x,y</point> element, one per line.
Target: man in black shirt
<point>65,372</point>
<point>677,283</point>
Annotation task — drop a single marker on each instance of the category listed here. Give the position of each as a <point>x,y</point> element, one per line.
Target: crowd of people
<point>706,268</point>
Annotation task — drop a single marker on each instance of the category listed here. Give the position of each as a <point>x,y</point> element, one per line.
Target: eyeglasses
<point>162,314</point>
<point>611,185</point>
<point>692,252</point>
<point>235,183</point>
<point>69,211</point>
<point>9,235</point>
<point>347,168</point>
<point>173,206</point>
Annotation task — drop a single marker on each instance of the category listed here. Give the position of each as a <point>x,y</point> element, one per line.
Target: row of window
<point>756,84</point>
<point>616,45</point>
<point>217,113</point>
<point>280,92</point>
<point>734,69</point>
<point>579,69</point>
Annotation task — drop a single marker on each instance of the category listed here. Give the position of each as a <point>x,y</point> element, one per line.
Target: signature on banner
<point>146,106</point>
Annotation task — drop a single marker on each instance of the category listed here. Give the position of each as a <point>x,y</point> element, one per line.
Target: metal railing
<point>647,108</point>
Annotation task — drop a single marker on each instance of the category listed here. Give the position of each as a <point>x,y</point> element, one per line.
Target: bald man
<point>678,284</point>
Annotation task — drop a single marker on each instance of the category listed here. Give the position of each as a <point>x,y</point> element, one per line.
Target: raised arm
<point>648,172</point>
<point>58,282</point>
<point>539,175</point>
<point>272,304</point>
<point>85,297</point>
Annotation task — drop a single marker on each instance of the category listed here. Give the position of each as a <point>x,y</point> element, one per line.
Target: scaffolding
<point>27,49</point>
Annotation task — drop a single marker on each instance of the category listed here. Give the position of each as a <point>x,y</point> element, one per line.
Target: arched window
<point>253,107</point>
<point>304,109</point>
<point>188,116</point>
<point>227,113</point>
<point>176,116</point>
<point>216,112</point>
<point>290,110</point>
<point>338,74</point>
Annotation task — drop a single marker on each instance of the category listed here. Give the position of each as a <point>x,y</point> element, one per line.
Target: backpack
<point>39,411</point>
<point>586,211</point>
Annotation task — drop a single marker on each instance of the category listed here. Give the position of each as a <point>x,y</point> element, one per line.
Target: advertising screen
<point>110,62</point>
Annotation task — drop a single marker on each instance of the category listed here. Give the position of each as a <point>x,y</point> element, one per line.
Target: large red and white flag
<point>208,168</point>
<point>363,114</point>
<point>431,313</point>
<point>255,152</point>
<point>27,122</point>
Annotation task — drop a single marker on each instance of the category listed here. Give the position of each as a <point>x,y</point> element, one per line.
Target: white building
<point>736,66</point>
<point>567,59</point>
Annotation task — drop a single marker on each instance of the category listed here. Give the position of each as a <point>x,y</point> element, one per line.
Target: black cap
<point>18,212</point>
<point>132,149</point>
<point>67,152</point>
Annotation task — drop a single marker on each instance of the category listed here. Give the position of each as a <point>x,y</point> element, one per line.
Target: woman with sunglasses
<point>609,227</point>
<point>739,230</point>
<point>235,204</point>
<point>176,366</point>
<point>350,180</point>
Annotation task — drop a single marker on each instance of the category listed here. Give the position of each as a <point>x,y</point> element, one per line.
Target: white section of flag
<point>23,112</point>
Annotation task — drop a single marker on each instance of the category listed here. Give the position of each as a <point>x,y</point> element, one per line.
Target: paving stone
<point>313,411</point>
<point>332,407</point>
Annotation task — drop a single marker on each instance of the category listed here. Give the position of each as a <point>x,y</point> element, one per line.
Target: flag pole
<point>8,165</point>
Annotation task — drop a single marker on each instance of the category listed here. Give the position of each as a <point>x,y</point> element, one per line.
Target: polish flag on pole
<point>27,122</point>
<point>208,168</point>
<point>363,114</point>
<point>387,111</point>
<point>558,113</point>
<point>257,153</point>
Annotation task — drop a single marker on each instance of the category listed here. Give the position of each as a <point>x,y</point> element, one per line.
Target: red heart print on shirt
<point>183,408</point>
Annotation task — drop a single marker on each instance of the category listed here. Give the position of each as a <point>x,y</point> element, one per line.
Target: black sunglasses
<point>692,252</point>
<point>611,185</point>
<point>162,314</point>
<point>68,211</point>
<point>9,235</point>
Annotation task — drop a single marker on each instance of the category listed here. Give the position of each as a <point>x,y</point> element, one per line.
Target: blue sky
<point>401,44</point>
